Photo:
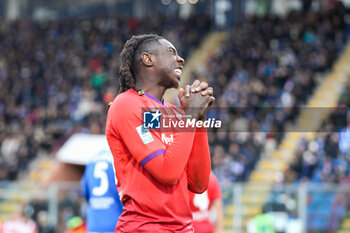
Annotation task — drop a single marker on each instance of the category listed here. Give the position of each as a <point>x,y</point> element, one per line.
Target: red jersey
<point>200,205</point>
<point>149,206</point>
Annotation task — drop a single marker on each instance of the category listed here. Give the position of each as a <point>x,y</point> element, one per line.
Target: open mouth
<point>178,71</point>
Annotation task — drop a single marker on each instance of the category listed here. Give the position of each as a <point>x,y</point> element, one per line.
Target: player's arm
<point>168,167</point>
<point>178,154</point>
<point>175,158</point>
<point>165,165</point>
<point>198,167</point>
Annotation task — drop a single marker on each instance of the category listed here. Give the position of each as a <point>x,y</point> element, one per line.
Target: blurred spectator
<point>262,223</point>
<point>43,222</point>
<point>75,225</point>
<point>21,222</point>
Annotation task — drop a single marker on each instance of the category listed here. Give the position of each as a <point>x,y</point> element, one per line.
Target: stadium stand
<point>57,76</point>
<point>277,82</point>
<point>285,76</point>
<point>60,85</point>
<point>324,159</point>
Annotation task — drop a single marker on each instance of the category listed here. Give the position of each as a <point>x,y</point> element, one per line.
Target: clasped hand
<point>196,99</point>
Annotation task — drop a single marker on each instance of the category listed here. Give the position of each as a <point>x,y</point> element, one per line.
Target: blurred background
<point>59,65</point>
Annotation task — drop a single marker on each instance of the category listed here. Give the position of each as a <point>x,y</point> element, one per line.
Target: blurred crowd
<point>323,159</point>
<point>262,74</point>
<point>57,76</point>
<point>326,157</point>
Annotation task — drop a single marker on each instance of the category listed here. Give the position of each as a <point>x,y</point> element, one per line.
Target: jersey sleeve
<point>124,120</point>
<point>198,167</point>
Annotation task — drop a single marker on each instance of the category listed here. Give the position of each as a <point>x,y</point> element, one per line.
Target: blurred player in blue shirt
<point>99,189</point>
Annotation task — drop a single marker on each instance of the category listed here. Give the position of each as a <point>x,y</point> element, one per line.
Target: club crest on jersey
<point>152,120</point>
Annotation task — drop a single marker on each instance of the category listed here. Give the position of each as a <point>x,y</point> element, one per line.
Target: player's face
<point>169,65</point>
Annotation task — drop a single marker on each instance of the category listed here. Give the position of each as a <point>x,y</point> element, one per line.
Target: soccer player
<point>99,189</point>
<point>201,205</point>
<point>155,169</point>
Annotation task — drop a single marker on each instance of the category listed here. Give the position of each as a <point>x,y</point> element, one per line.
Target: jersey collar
<point>151,97</point>
<point>155,99</point>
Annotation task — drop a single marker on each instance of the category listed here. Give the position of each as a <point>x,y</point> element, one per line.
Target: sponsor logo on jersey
<point>167,140</point>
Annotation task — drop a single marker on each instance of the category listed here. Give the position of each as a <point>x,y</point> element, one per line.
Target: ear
<point>147,59</point>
